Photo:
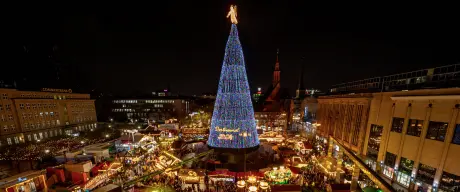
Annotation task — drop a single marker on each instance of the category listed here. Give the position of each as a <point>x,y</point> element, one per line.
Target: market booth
<point>222,175</point>
<point>192,176</point>
<point>25,182</point>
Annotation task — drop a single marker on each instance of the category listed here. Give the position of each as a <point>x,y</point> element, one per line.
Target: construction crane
<point>173,167</point>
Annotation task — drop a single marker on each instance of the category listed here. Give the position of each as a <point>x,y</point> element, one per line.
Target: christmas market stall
<point>222,175</point>
<point>192,176</point>
<point>26,181</point>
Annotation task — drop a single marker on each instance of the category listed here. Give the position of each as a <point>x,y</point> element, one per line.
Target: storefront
<point>449,182</point>
<point>425,178</point>
<point>405,171</point>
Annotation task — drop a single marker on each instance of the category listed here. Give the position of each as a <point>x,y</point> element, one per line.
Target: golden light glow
<point>232,14</point>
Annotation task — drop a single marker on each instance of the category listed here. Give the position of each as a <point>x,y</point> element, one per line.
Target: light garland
<point>233,111</point>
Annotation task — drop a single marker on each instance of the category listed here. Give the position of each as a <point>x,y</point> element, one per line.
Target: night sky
<point>146,47</point>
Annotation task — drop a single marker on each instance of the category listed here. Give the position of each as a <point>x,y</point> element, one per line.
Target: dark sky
<point>146,47</point>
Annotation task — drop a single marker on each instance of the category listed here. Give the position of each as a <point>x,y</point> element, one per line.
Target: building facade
<point>409,135</point>
<point>31,116</point>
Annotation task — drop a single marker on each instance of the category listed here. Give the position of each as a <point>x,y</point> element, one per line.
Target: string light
<point>233,107</point>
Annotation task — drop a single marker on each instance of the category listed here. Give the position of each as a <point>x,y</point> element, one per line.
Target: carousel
<point>279,175</point>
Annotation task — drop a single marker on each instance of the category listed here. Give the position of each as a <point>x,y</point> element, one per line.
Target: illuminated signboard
<point>57,90</point>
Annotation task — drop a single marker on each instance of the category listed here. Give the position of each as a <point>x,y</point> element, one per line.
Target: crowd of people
<point>36,151</point>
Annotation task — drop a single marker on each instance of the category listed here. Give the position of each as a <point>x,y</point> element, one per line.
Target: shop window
<point>449,182</point>
<point>456,137</point>
<point>405,171</point>
<point>397,125</point>
<point>436,130</point>
<point>403,178</point>
<point>415,127</point>
<point>426,174</point>
<point>390,159</point>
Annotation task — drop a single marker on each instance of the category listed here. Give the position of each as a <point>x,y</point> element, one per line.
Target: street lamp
<point>241,184</point>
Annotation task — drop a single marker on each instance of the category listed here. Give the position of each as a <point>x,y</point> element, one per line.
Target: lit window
<point>456,137</point>
<point>436,130</point>
<point>9,141</point>
<point>29,137</point>
<point>16,140</point>
<point>41,135</point>
<point>397,124</point>
<point>415,127</point>
<point>35,136</point>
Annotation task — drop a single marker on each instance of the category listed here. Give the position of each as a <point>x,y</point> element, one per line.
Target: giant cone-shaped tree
<point>233,124</point>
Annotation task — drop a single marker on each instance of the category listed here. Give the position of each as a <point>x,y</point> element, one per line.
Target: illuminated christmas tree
<point>233,124</point>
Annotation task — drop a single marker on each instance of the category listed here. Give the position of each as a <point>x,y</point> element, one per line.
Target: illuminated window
<point>41,135</point>
<point>436,130</point>
<point>29,137</point>
<point>456,137</point>
<point>16,140</point>
<point>426,174</point>
<point>415,127</point>
<point>9,141</point>
<point>397,125</point>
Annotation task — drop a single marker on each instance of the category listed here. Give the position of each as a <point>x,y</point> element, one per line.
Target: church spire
<point>300,87</point>
<point>277,72</point>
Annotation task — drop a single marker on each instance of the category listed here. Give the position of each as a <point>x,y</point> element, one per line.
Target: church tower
<point>277,72</point>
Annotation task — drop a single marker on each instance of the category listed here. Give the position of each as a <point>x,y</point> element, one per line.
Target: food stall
<point>192,176</point>
<point>222,175</point>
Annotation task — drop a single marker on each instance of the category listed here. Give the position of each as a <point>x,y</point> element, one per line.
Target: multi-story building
<point>154,108</point>
<point>407,132</point>
<point>30,116</point>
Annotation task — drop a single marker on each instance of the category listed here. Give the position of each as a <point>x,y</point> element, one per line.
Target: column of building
<point>447,142</point>
<point>426,122</point>
<point>401,144</point>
